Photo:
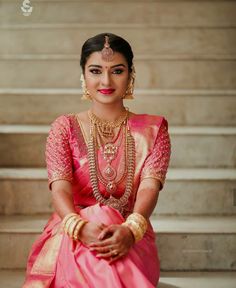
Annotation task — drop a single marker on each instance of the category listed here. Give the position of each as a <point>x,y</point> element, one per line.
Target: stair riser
<point>176,251</point>
<point>162,13</point>
<point>179,110</point>
<point>144,40</point>
<point>177,198</point>
<point>159,74</point>
<point>25,197</point>
<point>197,198</point>
<point>197,252</point>
<point>27,150</point>
<point>15,248</point>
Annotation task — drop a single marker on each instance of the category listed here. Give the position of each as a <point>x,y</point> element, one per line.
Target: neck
<point>108,112</point>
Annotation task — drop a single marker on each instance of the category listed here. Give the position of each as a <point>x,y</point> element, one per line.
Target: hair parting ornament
<point>107,52</point>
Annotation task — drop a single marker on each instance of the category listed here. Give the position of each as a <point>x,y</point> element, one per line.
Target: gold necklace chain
<point>110,181</point>
<point>117,203</point>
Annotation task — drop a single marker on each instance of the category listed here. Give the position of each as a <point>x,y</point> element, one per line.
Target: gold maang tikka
<point>107,52</point>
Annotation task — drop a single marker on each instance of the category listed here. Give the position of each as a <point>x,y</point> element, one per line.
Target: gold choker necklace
<point>105,127</point>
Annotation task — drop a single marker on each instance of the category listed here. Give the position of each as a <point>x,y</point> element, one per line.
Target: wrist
<point>72,223</point>
<point>137,225</point>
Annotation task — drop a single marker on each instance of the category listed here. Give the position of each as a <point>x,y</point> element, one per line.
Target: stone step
<point>185,243</point>
<point>24,146</point>
<point>12,278</point>
<point>161,13</point>
<point>186,192</point>
<point>181,107</point>
<point>45,71</point>
<point>67,39</point>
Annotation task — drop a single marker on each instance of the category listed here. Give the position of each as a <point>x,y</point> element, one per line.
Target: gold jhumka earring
<point>86,95</point>
<point>130,89</point>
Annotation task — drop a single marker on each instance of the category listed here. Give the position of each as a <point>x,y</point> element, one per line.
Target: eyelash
<point>97,71</point>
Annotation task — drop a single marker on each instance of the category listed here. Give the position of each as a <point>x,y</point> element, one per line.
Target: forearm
<point>62,198</point>
<point>147,197</point>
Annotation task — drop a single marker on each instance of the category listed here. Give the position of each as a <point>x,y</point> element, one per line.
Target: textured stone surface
<point>197,197</point>
<point>197,252</point>
<point>167,41</point>
<point>161,13</point>
<point>178,106</point>
<point>24,197</point>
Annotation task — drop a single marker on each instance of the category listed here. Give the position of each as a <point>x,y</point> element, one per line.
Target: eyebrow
<point>99,66</point>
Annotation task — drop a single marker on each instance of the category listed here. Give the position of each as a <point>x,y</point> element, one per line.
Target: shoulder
<point>148,120</point>
<point>63,123</point>
<point>64,120</point>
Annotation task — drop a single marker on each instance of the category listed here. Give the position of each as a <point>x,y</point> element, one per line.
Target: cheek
<point>124,83</point>
<point>91,82</point>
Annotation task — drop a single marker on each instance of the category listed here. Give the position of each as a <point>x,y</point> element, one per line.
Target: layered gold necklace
<point>102,136</point>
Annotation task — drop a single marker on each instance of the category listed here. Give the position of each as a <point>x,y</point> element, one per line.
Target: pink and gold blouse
<point>66,155</point>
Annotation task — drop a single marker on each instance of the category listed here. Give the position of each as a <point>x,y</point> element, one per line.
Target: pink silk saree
<point>55,260</point>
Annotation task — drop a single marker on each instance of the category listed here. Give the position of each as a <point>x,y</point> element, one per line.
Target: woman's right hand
<point>90,231</point>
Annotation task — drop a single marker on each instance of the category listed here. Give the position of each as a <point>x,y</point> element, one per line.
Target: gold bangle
<point>72,226</point>
<point>67,217</point>
<point>68,223</point>
<point>78,228</point>
<point>137,224</point>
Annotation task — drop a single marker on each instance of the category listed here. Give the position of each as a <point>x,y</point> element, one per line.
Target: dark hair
<point>96,43</point>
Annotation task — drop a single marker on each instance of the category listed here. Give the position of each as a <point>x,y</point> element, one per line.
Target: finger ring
<point>115,253</point>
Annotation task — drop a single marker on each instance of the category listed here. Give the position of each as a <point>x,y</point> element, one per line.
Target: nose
<point>105,79</point>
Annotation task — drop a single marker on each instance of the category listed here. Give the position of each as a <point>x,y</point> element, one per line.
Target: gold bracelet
<point>68,223</point>
<point>78,228</point>
<point>137,224</point>
<point>66,218</point>
<point>71,227</point>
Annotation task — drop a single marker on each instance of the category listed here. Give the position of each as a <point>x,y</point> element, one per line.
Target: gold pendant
<point>109,173</point>
<point>110,152</point>
<point>107,131</point>
<point>111,187</point>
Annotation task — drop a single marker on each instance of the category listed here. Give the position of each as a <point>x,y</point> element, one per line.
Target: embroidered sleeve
<point>58,152</point>
<point>157,162</point>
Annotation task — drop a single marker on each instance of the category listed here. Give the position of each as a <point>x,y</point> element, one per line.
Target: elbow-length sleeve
<point>58,152</point>
<point>157,162</point>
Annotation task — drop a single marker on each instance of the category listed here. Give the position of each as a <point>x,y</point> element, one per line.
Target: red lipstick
<point>106,91</point>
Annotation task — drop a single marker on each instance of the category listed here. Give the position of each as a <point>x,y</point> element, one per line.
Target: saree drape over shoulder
<point>55,260</point>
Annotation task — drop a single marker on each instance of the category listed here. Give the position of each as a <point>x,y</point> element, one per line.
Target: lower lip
<point>108,92</point>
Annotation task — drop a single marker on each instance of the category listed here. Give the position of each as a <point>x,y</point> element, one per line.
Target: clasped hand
<point>109,242</point>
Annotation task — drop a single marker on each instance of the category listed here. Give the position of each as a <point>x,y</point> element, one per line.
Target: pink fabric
<point>75,265</point>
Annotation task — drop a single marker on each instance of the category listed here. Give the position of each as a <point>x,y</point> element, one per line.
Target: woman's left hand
<point>115,242</point>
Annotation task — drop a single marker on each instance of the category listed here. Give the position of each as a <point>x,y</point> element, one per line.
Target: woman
<point>106,167</point>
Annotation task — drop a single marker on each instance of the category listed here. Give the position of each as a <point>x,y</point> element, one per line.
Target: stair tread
<point>14,278</point>
<point>161,224</point>
<point>173,173</point>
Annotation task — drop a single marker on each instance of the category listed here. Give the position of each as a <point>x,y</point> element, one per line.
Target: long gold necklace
<point>109,181</point>
<point>109,177</point>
